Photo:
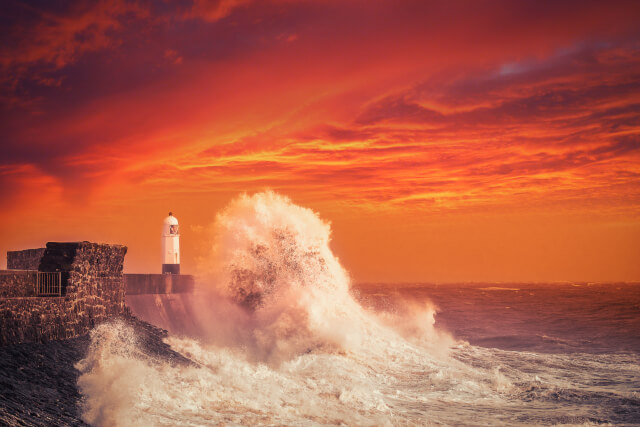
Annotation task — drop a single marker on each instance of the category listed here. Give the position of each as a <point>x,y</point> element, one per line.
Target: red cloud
<point>410,106</point>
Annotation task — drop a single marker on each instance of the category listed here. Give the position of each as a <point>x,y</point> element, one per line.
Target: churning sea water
<point>568,353</point>
<point>278,335</point>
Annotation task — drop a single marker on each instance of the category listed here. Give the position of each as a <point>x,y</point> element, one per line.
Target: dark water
<point>571,351</point>
<point>548,318</point>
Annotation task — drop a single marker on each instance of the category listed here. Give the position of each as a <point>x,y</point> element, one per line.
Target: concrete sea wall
<point>138,284</point>
<point>164,300</point>
<point>173,312</point>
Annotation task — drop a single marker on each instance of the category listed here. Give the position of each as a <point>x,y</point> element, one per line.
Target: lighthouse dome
<point>170,226</point>
<point>171,220</point>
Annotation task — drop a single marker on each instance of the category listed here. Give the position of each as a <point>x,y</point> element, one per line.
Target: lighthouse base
<point>170,268</point>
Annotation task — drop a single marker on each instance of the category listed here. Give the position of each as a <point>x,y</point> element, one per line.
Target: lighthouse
<point>170,245</point>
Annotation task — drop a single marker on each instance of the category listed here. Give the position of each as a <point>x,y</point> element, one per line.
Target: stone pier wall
<point>39,319</point>
<point>93,292</point>
<point>28,259</point>
<point>17,283</point>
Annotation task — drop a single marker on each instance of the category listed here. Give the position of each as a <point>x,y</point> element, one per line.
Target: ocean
<point>560,353</point>
<point>277,334</point>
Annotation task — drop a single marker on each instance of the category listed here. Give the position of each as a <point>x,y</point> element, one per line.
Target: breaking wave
<point>280,339</point>
<point>272,258</point>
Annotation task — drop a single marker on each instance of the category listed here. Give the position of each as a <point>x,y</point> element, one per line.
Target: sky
<point>451,141</point>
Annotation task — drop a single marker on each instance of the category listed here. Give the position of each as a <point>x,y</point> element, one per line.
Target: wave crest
<point>273,258</point>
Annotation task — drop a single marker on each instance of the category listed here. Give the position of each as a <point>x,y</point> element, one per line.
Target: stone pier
<point>92,290</point>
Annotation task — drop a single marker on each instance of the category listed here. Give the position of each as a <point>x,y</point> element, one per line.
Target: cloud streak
<point>420,108</point>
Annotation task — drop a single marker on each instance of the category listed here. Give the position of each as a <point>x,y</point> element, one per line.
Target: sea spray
<point>114,375</point>
<point>283,341</point>
<point>221,387</point>
<point>273,258</point>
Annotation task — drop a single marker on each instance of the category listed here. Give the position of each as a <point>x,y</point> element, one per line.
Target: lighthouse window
<point>173,229</point>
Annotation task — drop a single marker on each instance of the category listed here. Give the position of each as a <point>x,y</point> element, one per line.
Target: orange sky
<point>445,141</point>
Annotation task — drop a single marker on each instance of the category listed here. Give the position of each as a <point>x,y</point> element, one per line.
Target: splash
<point>265,245</point>
<point>282,338</point>
<point>273,258</point>
<point>113,349</point>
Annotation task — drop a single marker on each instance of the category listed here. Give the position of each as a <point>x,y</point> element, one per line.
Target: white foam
<point>301,352</point>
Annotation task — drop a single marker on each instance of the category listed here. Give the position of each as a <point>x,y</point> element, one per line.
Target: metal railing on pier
<point>49,284</point>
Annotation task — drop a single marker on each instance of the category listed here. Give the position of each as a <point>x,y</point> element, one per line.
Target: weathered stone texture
<point>138,284</point>
<point>17,283</point>
<point>96,277</point>
<point>38,319</point>
<point>93,292</point>
<point>28,259</point>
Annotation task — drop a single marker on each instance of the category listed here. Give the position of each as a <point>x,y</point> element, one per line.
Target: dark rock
<point>38,381</point>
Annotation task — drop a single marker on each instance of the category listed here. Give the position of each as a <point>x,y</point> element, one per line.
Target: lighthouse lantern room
<point>170,245</point>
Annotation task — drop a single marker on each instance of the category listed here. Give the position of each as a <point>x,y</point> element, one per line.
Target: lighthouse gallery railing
<point>49,283</point>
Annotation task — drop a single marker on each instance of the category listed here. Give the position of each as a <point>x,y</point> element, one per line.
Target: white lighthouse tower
<point>170,246</point>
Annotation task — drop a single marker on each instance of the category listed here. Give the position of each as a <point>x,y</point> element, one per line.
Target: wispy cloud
<point>417,106</point>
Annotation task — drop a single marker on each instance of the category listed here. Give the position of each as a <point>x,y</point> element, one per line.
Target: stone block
<point>28,259</point>
<point>91,269</point>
